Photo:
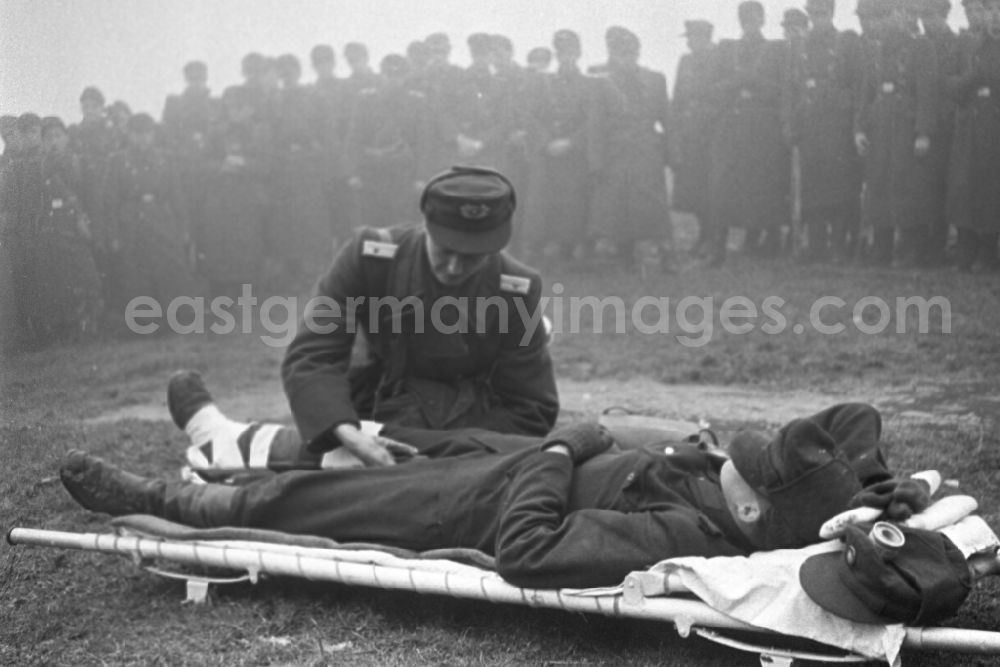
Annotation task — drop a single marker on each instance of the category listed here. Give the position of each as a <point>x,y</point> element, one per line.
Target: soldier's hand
<point>581,441</point>
<point>372,450</point>
<point>922,146</point>
<point>861,143</point>
<point>354,183</point>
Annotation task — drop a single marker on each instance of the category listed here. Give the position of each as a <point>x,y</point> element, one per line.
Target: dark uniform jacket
<point>899,103</point>
<point>438,82</point>
<point>491,377</point>
<point>974,187</point>
<point>65,286</point>
<point>479,110</point>
<point>149,217</point>
<point>387,147</point>
<point>819,110</point>
<point>561,106</point>
<point>746,86</point>
<point>693,117</point>
<point>630,197</point>
<point>187,121</point>
<point>549,523</point>
<point>94,141</point>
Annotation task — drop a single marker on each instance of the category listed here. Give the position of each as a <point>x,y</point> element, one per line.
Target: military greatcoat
<point>493,372</point>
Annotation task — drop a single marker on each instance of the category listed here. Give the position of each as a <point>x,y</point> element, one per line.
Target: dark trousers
<point>885,247</point>
<point>981,246</point>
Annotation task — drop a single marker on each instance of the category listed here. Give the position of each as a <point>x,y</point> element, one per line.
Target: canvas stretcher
<point>657,595</point>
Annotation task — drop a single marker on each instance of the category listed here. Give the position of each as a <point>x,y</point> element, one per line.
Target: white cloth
<point>763,590</point>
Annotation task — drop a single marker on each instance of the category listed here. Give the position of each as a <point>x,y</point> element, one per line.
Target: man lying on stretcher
<point>568,510</point>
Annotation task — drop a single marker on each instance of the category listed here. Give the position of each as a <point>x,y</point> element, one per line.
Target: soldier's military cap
<point>438,42</point>
<point>355,51</point>
<point>698,28</point>
<point>566,40</point>
<point>394,66</point>
<point>748,9</point>
<point>502,43</point>
<point>253,64</point>
<point>322,53</point>
<point>8,128</point>
<point>52,122</point>
<point>27,122</point>
<point>469,210</point>
<point>821,6</point>
<point>416,51</point>
<point>93,94</point>
<point>873,7</point>
<point>621,39</point>
<point>539,54</point>
<point>795,18</point>
<point>120,108</point>
<point>195,68</point>
<point>480,43</point>
<point>289,65</point>
<point>141,123</point>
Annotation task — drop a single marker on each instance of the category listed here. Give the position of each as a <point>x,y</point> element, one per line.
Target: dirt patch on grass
<point>926,403</point>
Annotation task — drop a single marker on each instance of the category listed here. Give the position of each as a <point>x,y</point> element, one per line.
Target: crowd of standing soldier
<point>261,184</point>
<point>893,137</point>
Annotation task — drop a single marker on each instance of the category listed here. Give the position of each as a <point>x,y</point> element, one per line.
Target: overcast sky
<point>134,49</point>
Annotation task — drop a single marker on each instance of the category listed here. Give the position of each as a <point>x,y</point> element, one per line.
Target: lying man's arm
<point>857,428</point>
<point>539,545</point>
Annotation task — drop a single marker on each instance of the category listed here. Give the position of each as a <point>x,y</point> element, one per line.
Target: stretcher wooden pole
<point>306,563</point>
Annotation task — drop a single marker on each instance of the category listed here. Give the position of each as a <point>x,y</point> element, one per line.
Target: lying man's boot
<point>101,487</point>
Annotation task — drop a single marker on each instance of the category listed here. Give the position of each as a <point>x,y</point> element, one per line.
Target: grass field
<point>939,391</point>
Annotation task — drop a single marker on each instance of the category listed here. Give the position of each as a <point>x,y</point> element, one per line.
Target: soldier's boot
<point>816,248</point>
<point>968,248</point>
<point>102,487</point>
<point>988,251</point>
<point>908,248</point>
<point>882,247</point>
<point>648,258</point>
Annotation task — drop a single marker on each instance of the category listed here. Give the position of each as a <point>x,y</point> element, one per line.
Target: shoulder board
<point>514,284</point>
<point>416,93</point>
<point>368,92</point>
<point>379,249</point>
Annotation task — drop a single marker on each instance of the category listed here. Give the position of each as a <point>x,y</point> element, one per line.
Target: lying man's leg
<point>221,446</point>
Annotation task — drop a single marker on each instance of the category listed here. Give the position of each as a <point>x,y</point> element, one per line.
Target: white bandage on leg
<point>260,446</point>
<point>209,425</point>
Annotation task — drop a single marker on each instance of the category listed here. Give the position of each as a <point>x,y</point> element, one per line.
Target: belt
<point>148,198</point>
